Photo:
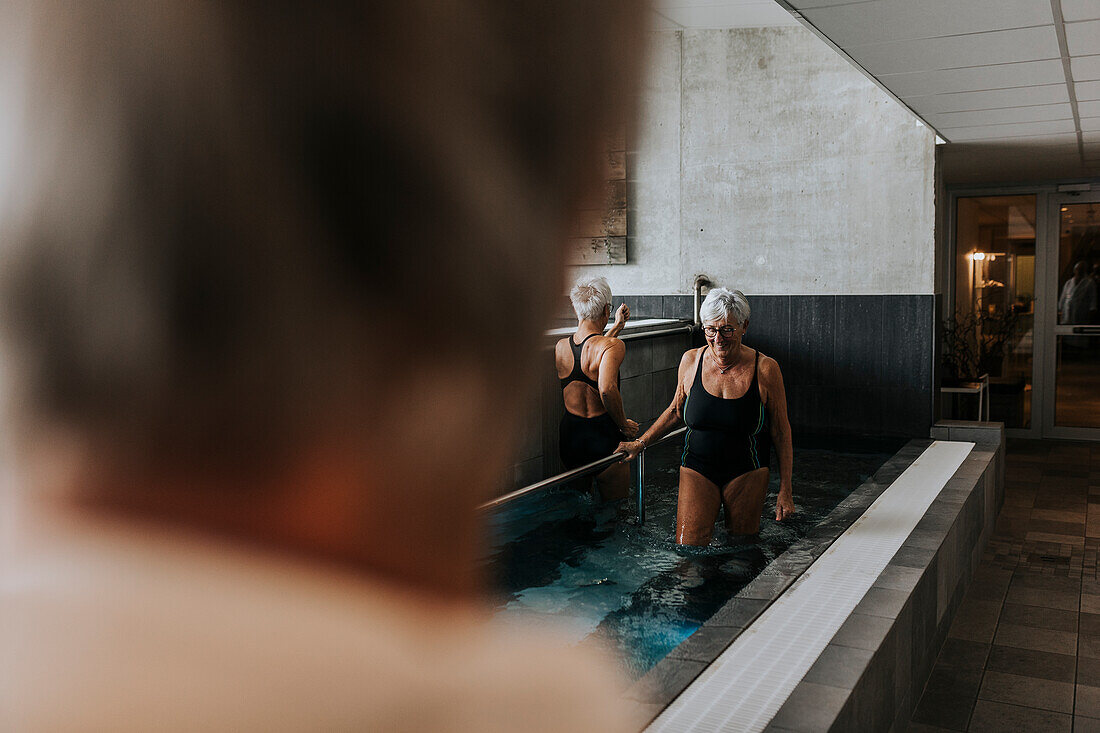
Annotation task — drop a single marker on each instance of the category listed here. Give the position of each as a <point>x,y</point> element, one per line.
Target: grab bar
<point>661,332</point>
<point>633,335</point>
<point>588,468</point>
<point>561,478</point>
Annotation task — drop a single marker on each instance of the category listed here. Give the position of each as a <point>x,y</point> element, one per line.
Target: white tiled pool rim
<point>748,683</point>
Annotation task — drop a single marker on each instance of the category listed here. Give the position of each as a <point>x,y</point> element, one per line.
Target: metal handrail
<point>661,332</point>
<point>633,335</point>
<point>588,468</point>
<point>561,478</point>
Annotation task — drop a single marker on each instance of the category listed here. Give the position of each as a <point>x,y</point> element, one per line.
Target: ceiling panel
<point>1080,9</point>
<point>886,20</point>
<point>992,99</point>
<point>976,78</point>
<point>997,47</point>
<point>1063,142</point>
<point>1087,90</point>
<point>1022,129</point>
<point>804,4</point>
<point>728,15</point>
<point>989,75</point>
<point>1085,68</point>
<point>1083,38</point>
<point>1002,116</point>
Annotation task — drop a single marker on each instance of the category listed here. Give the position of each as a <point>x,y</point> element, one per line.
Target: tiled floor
<point>1023,653</point>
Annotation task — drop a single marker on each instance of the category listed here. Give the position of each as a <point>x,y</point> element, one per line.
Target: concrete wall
<point>764,160</point>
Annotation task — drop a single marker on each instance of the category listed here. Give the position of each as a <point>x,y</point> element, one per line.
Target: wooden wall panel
<point>599,236</point>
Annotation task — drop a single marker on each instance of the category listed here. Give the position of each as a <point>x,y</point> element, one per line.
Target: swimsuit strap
<point>699,369</point>
<point>755,366</point>
<point>576,374</point>
<point>583,341</point>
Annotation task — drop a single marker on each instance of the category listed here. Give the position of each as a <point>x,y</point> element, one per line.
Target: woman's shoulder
<point>690,356</point>
<point>768,367</point>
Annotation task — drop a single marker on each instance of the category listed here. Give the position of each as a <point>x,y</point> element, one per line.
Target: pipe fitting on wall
<point>701,281</point>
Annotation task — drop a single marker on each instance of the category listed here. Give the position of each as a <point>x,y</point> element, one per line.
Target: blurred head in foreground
<point>276,274</point>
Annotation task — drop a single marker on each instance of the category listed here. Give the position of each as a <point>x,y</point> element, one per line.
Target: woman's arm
<point>772,380</point>
<point>608,381</point>
<point>621,317</point>
<point>668,419</point>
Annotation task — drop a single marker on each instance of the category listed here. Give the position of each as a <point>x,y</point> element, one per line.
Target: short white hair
<point>725,304</point>
<point>590,297</point>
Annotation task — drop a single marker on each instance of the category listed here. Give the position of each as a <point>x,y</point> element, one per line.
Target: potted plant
<point>975,343</point>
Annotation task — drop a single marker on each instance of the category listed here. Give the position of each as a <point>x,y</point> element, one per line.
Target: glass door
<point>1072,406</point>
<point>990,335</point>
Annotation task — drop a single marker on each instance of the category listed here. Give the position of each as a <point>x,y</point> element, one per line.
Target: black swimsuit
<point>725,438</point>
<point>585,439</point>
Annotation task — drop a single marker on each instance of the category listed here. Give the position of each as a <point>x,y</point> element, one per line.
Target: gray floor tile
<point>1030,663</point>
<point>1031,579</point>
<point>964,654</point>
<point>948,697</point>
<point>996,717</point>
<point>1029,637</point>
<point>1082,724</point>
<point>1029,691</point>
<point>975,620</point>
<point>1088,645</point>
<point>1065,600</point>
<point>1088,671</point>
<point>1088,701</point>
<point>1089,623</point>
<point>1039,617</point>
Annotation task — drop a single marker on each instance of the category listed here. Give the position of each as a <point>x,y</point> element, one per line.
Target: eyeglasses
<point>726,331</point>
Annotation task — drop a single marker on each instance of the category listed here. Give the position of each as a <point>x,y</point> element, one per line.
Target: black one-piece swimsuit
<point>725,438</point>
<point>582,440</point>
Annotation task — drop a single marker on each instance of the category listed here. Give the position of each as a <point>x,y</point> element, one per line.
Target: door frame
<point>1055,201</point>
<point>1038,356</point>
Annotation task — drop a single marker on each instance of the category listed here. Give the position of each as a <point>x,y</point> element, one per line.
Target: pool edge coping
<point>907,571</point>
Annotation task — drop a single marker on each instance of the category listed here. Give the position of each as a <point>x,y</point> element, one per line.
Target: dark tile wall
<point>852,364</point>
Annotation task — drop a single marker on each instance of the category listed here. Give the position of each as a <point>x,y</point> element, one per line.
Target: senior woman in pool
<point>732,399</point>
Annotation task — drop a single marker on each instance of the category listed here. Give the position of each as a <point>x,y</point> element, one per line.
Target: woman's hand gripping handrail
<point>561,478</point>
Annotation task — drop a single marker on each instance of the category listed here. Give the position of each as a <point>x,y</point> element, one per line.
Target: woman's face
<point>723,335</point>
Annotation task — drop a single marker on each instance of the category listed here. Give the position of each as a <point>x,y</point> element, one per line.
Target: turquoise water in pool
<point>566,560</point>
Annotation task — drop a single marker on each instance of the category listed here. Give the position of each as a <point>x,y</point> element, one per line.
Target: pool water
<point>563,559</point>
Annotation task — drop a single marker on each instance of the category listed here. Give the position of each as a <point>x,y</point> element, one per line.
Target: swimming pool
<point>562,559</point>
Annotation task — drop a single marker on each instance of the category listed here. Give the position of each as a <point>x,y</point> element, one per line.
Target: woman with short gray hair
<point>588,369</point>
<point>733,402</point>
